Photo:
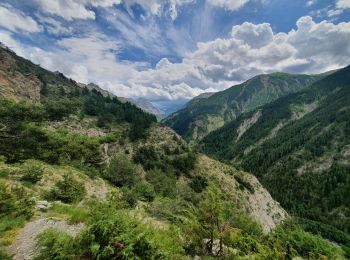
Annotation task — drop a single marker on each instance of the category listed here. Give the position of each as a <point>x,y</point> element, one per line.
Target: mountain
<point>142,103</point>
<point>94,86</point>
<point>204,115</point>
<point>91,177</point>
<point>147,106</point>
<point>299,148</point>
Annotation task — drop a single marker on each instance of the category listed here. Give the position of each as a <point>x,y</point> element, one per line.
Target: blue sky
<point>169,51</point>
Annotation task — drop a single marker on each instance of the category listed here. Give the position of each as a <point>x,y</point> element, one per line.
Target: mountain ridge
<point>201,117</point>
<point>293,140</point>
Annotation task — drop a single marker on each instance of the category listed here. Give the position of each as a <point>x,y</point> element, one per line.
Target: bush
<point>112,234</point>
<point>15,201</point>
<point>55,244</point>
<point>68,190</point>
<point>164,183</point>
<point>145,191</point>
<point>4,255</point>
<point>33,172</point>
<point>198,183</point>
<point>121,172</point>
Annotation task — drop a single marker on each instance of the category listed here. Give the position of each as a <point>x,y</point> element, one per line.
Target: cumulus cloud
<point>343,4</point>
<point>231,5</point>
<point>15,21</point>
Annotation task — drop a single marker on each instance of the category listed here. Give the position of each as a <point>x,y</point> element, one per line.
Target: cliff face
<point>15,84</point>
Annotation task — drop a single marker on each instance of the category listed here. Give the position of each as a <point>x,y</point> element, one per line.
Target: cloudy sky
<point>169,51</point>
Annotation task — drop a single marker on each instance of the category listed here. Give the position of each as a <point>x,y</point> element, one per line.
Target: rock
<point>43,205</point>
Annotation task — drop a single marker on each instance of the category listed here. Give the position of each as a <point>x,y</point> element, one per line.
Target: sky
<point>169,51</point>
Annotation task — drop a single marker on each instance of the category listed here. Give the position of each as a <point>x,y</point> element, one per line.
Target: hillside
<point>299,148</point>
<point>85,176</point>
<point>205,115</point>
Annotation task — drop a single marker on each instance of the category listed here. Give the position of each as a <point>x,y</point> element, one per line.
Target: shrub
<point>198,183</point>
<point>33,172</point>
<point>129,197</point>
<point>121,172</point>
<point>68,190</point>
<point>164,183</point>
<point>112,234</point>
<point>15,201</point>
<point>4,255</point>
<point>55,244</point>
<point>145,191</point>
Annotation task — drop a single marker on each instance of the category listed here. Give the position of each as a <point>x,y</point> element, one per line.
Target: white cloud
<point>343,4</point>
<point>74,9</point>
<point>14,20</point>
<point>340,7</point>
<point>80,9</point>
<point>311,2</point>
<point>54,26</point>
<point>231,5</point>
<point>249,50</point>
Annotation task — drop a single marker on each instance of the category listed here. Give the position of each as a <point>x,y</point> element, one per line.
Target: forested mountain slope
<point>299,148</point>
<point>204,115</point>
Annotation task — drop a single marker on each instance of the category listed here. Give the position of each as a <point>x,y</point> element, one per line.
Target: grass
<point>9,228</point>
<point>73,213</point>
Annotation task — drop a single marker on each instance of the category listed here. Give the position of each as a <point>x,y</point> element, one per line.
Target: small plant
<point>68,190</point>
<point>33,172</point>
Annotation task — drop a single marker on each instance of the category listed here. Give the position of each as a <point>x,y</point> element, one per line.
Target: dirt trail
<point>24,246</point>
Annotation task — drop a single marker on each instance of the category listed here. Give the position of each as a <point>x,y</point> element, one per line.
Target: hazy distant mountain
<point>146,105</point>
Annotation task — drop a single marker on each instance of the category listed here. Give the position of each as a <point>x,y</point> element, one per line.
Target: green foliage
<point>241,220</point>
<point>112,234</point>
<point>32,171</point>
<point>202,115</point>
<point>178,163</point>
<point>58,109</point>
<point>304,244</point>
<point>167,208</point>
<point>4,255</point>
<point>144,190</point>
<point>198,183</point>
<point>324,230</point>
<point>109,110</point>
<point>16,206</point>
<point>55,244</point>
<point>164,183</point>
<point>68,190</point>
<point>15,201</point>
<point>76,214</point>
<point>122,172</point>
<point>296,155</point>
<point>23,138</point>
<point>205,224</point>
